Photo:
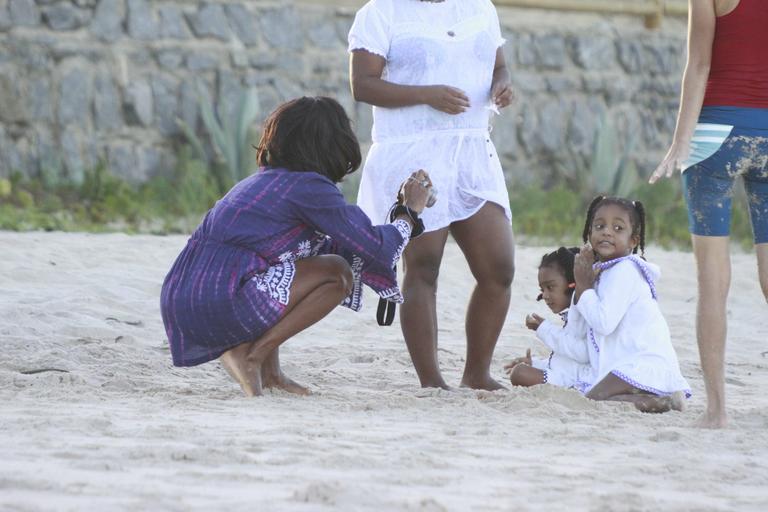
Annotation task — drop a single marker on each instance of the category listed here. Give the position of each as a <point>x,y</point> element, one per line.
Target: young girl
<point>616,296</point>
<point>282,249</point>
<point>569,364</point>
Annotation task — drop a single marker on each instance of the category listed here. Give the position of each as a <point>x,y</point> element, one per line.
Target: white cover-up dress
<point>425,43</point>
<point>627,329</point>
<point>573,362</point>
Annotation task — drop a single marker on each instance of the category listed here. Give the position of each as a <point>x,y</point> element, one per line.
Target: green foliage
<point>610,169</point>
<point>232,138</point>
<point>105,202</point>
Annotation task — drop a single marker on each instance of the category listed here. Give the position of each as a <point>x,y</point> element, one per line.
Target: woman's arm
<point>619,289</point>
<point>701,33</point>
<point>365,71</point>
<point>562,341</point>
<point>502,93</point>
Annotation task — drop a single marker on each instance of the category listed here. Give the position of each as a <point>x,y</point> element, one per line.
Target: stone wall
<point>84,81</point>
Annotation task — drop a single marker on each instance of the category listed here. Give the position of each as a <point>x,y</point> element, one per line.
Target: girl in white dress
<point>616,296</point>
<point>434,71</point>
<point>572,362</point>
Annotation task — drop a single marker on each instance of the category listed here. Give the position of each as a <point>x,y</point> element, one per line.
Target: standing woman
<point>433,71</point>
<point>725,88</point>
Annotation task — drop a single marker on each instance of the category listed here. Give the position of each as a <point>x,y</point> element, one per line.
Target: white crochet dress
<point>433,43</point>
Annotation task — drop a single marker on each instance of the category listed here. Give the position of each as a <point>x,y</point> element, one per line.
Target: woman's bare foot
<point>486,383</point>
<point>711,420</point>
<point>244,370</point>
<point>282,381</point>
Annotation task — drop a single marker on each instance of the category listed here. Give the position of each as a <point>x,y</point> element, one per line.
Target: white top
<point>627,329</point>
<point>569,344</point>
<point>433,43</point>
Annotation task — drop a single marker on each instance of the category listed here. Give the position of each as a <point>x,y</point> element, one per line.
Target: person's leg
<point>713,271</point>
<point>613,388</point>
<point>524,375</point>
<point>762,267</point>
<point>486,240</point>
<point>319,285</point>
<point>418,314</point>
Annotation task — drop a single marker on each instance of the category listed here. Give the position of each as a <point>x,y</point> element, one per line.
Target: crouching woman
<point>282,249</point>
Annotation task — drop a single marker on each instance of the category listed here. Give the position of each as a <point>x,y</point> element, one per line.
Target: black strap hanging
<point>385,313</point>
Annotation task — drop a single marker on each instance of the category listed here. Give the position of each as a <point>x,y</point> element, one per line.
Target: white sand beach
<point>112,425</point>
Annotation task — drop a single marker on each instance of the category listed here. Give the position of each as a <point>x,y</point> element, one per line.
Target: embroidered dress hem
<point>660,382</point>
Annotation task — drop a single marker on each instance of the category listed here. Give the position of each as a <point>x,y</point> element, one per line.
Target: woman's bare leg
<point>524,375</point>
<point>762,267</point>
<point>614,389</point>
<point>319,285</point>
<point>713,271</point>
<point>418,314</point>
<point>486,240</point>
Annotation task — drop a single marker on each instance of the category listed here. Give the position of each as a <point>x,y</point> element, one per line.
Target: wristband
<point>401,209</point>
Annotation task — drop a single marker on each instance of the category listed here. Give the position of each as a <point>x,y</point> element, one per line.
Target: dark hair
<point>562,259</point>
<point>310,134</point>
<point>636,212</point>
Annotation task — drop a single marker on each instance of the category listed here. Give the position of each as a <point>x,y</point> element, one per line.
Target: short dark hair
<point>310,134</point>
<point>563,259</point>
<point>636,212</point>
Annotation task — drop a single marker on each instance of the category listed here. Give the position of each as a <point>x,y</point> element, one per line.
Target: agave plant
<point>610,168</point>
<point>231,136</point>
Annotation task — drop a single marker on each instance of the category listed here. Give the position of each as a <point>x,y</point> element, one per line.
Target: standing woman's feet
<point>436,383</point>
<point>485,382</point>
<point>712,420</point>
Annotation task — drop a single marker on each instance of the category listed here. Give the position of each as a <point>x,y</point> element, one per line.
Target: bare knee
<point>423,272</point>
<point>498,276</point>
<point>340,273</point>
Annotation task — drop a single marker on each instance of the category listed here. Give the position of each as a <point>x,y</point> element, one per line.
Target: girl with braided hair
<point>569,364</point>
<point>616,297</point>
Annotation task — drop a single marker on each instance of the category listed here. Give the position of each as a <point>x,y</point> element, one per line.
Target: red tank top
<point>738,74</point>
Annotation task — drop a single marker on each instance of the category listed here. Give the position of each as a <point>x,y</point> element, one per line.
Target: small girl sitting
<point>616,296</point>
<point>568,365</point>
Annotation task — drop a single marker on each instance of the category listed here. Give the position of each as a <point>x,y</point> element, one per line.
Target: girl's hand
<point>446,99</point>
<point>678,153</point>
<point>414,192</point>
<point>582,268</point>
<point>502,94</point>
<point>533,321</point>
<point>518,360</point>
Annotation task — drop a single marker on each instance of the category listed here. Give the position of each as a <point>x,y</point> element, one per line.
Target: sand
<point>119,428</point>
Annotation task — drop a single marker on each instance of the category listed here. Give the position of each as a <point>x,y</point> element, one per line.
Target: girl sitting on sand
<point>616,296</point>
<point>282,249</point>
<point>569,363</point>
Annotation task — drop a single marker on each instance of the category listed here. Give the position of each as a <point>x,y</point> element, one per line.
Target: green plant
<point>231,137</point>
<point>609,169</point>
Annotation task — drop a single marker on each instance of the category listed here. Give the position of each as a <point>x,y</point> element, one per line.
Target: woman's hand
<point>502,94</point>
<point>518,360</point>
<point>446,99</point>
<point>414,192</point>
<point>583,272</point>
<point>533,321</point>
<point>674,159</point>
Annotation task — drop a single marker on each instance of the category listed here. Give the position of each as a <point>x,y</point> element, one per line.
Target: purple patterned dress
<point>232,281</point>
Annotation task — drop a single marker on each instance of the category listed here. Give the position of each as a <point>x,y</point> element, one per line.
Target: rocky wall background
<point>83,81</point>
